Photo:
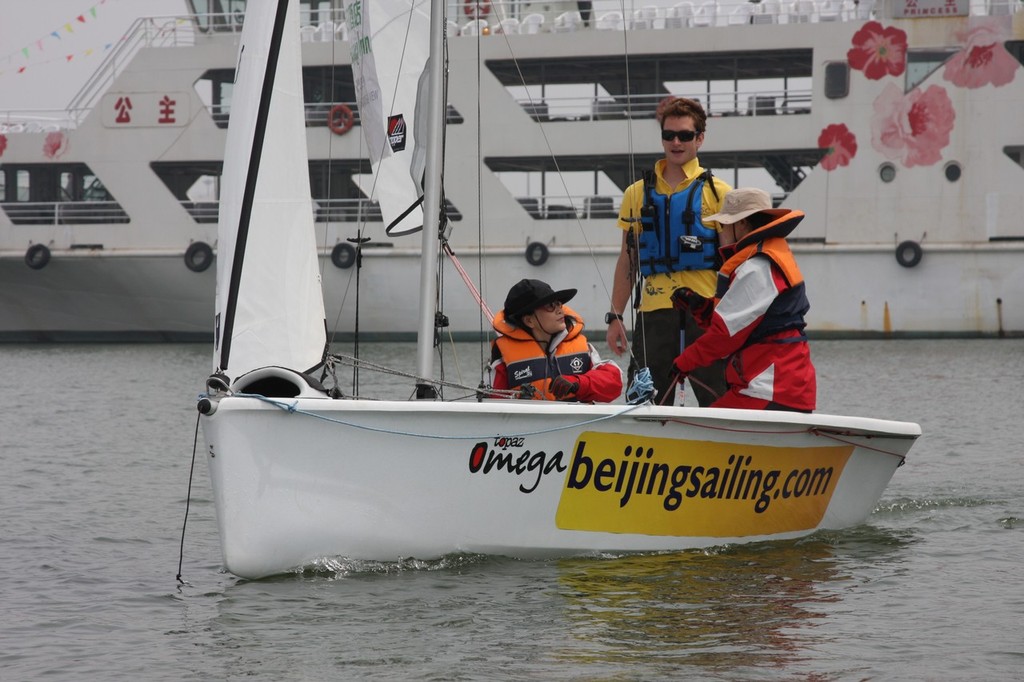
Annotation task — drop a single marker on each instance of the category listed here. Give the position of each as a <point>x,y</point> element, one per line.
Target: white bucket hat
<point>745,201</point>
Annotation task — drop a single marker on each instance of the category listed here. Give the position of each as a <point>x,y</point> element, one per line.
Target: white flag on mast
<point>390,42</point>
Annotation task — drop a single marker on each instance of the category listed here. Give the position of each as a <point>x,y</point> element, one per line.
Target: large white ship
<point>895,126</point>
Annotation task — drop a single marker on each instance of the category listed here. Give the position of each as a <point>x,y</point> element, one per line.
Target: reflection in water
<point>734,608</point>
<point>741,612</point>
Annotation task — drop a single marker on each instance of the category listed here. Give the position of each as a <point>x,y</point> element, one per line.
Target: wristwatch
<point>608,317</point>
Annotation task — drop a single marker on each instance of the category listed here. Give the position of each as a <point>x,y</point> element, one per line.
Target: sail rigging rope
<point>188,501</point>
<point>292,408</point>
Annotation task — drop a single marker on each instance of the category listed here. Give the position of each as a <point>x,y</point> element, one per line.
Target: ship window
<point>837,80</point>
<point>921,64</point>
<point>58,194</point>
<point>24,185</point>
<point>65,192</point>
<point>1015,154</point>
<point>1015,48</point>
<point>953,171</point>
<point>887,172</point>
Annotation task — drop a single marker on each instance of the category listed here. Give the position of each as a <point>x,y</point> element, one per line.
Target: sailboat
<point>301,474</point>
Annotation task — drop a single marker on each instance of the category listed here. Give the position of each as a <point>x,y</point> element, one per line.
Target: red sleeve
<point>756,284</point>
<point>602,384</point>
<point>500,378</point>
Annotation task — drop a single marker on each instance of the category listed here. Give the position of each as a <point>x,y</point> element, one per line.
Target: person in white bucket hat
<point>756,319</point>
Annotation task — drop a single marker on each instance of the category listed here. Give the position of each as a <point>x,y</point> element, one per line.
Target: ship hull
<point>550,174</point>
<point>854,292</point>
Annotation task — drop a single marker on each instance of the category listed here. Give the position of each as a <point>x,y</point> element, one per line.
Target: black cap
<point>529,294</point>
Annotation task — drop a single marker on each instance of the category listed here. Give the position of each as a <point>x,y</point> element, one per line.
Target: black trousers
<point>656,343</point>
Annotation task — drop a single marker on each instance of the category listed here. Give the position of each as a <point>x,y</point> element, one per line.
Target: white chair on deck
<point>803,10</point>
<point>704,15</point>
<point>509,26</point>
<point>474,27</point>
<point>307,34</point>
<point>567,22</point>
<point>325,32</point>
<point>829,10</point>
<point>679,15</point>
<point>769,13</point>
<point>740,14</point>
<point>644,18</point>
<point>531,24</point>
<point>610,21</point>
<point>863,9</point>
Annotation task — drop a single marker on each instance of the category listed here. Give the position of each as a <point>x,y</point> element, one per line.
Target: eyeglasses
<point>682,135</point>
<point>550,307</point>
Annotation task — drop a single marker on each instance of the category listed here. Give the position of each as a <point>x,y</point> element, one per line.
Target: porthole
<point>887,172</point>
<point>953,171</point>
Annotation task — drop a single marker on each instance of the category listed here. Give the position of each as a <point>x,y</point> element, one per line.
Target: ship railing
<point>571,207</point>
<point>324,210</point>
<point>317,114</point>
<point>34,121</point>
<point>64,212</point>
<point>640,106</point>
<point>357,209</point>
<point>361,209</point>
<point>165,31</point>
<point>485,17</point>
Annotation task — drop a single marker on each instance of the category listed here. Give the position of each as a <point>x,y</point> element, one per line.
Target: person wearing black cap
<point>541,351</point>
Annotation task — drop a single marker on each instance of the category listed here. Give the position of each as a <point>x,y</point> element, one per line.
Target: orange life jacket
<point>528,365</point>
<point>789,308</point>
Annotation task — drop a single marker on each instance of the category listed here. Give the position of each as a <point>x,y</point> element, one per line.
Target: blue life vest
<point>672,237</point>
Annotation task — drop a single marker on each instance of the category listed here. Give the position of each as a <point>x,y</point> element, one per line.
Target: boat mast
<point>431,203</point>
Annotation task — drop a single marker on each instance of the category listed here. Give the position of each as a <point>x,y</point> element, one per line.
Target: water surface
<point>96,453</point>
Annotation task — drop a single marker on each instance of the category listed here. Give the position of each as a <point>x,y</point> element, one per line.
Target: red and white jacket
<point>758,324</point>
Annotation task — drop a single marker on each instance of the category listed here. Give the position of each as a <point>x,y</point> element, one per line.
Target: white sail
<point>270,307</point>
<point>386,79</point>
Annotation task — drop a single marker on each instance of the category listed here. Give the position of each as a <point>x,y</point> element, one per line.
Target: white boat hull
<point>391,480</point>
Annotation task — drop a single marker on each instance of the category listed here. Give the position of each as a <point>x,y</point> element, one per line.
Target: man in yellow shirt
<point>665,240</point>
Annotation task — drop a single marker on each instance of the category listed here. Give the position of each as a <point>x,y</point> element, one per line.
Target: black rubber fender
<point>537,253</point>
<point>37,256</point>
<point>908,253</point>
<point>198,256</point>
<point>343,255</point>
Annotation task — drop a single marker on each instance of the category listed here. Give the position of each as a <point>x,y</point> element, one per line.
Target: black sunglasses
<point>682,135</point>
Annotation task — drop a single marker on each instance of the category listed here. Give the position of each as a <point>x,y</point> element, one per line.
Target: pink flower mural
<point>55,145</point>
<point>878,51</point>
<point>3,144</point>
<point>840,143</point>
<point>983,60</point>
<point>912,128</point>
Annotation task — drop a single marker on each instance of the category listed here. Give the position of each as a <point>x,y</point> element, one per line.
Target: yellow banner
<point>618,483</point>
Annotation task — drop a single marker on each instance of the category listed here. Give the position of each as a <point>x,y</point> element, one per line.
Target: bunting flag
<point>41,46</point>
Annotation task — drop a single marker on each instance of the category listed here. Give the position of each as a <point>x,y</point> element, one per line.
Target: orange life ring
<point>340,119</point>
<point>477,8</point>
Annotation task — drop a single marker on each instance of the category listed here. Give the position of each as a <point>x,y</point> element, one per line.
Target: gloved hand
<point>685,298</point>
<point>676,373</point>
<point>676,377</point>
<point>564,387</point>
